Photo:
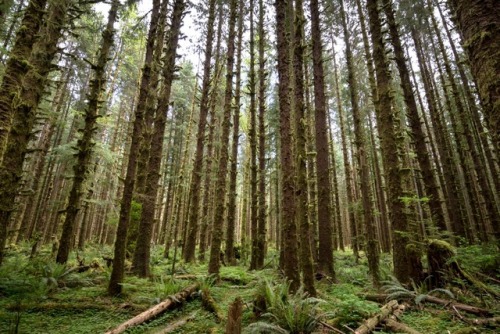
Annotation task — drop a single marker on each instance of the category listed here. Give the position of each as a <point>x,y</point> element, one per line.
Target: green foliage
<point>348,308</point>
<point>479,258</point>
<point>396,291</point>
<point>289,313</point>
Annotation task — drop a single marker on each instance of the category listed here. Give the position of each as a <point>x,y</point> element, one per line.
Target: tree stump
<point>439,253</point>
<point>233,325</point>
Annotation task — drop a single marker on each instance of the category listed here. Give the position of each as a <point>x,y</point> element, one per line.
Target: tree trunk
<point>22,106</point>
<point>85,143</point>
<point>192,223</point>
<point>359,133</point>
<point>301,196</point>
<point>287,170</point>
<point>325,250</point>
<point>140,263</point>
<point>16,68</point>
<point>477,21</point>
<point>231,210</point>
<point>417,132</point>
<point>220,199</point>
<point>407,263</point>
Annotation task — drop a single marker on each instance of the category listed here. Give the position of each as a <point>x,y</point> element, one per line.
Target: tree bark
<point>194,193</point>
<point>287,170</point>
<point>140,263</point>
<point>325,249</point>
<point>85,143</point>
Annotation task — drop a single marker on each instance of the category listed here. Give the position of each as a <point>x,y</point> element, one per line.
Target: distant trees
<point>393,145</point>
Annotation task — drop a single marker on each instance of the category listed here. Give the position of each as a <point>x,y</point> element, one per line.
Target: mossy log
<point>152,312</point>
<point>394,325</point>
<point>369,324</point>
<point>209,304</point>
<point>233,324</point>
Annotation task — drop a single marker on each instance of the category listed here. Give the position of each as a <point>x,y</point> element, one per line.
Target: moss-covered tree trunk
<point>140,263</point>
<point>288,226</point>
<point>301,199</point>
<point>325,249</point>
<point>417,133</point>
<point>361,147</point>
<point>262,76</point>
<point>115,287</point>
<point>407,264</point>
<point>477,22</point>
<point>252,139</point>
<point>221,189</point>
<point>233,170</point>
<point>85,143</point>
<point>17,66</point>
<point>192,222</point>
<point>24,107</point>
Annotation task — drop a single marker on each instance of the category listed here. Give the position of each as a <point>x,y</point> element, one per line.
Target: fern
<point>396,291</point>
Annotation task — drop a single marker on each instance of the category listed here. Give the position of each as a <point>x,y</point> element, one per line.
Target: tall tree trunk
<point>85,143</point>
<point>289,228</point>
<point>325,250</point>
<point>192,222</point>
<point>140,264</point>
<point>231,210</point>
<point>261,219</point>
<point>23,107</point>
<point>301,195</point>
<point>221,189</point>
<point>417,132</point>
<point>16,68</point>
<point>477,21</point>
<point>115,287</point>
<point>407,263</point>
<point>364,171</point>
<point>252,139</point>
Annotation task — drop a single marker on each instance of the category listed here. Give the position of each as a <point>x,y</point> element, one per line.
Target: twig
<point>324,324</point>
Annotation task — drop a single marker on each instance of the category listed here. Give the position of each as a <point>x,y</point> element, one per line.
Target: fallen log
<point>152,312</point>
<point>369,324</point>
<point>492,322</point>
<point>209,304</point>
<point>432,299</point>
<point>399,327</point>
<point>175,325</point>
<point>394,325</point>
<point>458,306</point>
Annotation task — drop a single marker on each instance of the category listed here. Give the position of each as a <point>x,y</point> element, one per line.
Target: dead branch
<point>152,312</point>
<point>458,306</point>
<point>370,323</point>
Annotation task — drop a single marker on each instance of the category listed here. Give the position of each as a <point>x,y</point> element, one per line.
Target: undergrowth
<point>39,296</point>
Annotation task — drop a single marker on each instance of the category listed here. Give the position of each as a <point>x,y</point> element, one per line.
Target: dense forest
<point>229,166</point>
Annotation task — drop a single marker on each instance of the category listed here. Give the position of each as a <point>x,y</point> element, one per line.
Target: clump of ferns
<point>416,292</point>
<point>287,313</point>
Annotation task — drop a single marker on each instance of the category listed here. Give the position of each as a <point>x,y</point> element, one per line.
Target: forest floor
<point>39,296</point>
